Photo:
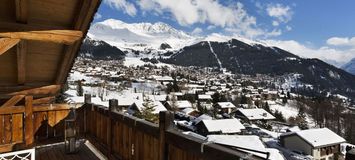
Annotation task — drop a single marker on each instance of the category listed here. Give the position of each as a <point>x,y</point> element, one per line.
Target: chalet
<point>249,143</point>
<point>255,114</point>
<point>182,104</point>
<point>202,117</point>
<point>350,155</point>
<point>163,78</point>
<point>138,106</point>
<point>190,112</point>
<point>126,100</point>
<point>176,95</point>
<point>205,101</point>
<point>219,126</point>
<point>321,144</point>
<point>225,107</point>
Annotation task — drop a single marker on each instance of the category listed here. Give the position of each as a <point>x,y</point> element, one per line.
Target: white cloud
<point>275,23</point>
<point>288,28</point>
<point>125,6</point>
<point>335,56</point>
<point>197,31</point>
<point>341,41</point>
<point>280,12</point>
<point>189,12</point>
<point>98,16</point>
<point>211,27</point>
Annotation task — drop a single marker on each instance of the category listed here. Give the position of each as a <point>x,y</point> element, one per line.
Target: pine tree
<point>147,111</point>
<point>301,119</point>
<point>79,88</point>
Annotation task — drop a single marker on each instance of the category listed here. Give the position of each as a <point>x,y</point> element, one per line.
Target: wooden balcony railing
<point>20,126</point>
<point>120,136</point>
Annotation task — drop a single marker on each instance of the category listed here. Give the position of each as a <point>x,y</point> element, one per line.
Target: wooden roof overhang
<point>39,40</point>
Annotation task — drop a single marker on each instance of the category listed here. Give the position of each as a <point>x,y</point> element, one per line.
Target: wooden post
<point>87,99</point>
<point>29,135</point>
<point>165,123</point>
<point>112,105</point>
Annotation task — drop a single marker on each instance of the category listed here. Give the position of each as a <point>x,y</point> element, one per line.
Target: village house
<point>225,107</point>
<point>321,144</point>
<point>138,107</point>
<point>219,126</point>
<point>180,105</point>
<point>253,114</point>
<point>248,143</point>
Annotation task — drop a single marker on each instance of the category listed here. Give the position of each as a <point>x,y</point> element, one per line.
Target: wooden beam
<point>82,22</point>
<point>36,108</point>
<point>7,43</point>
<point>46,90</point>
<point>21,62</point>
<point>21,11</point>
<point>6,147</point>
<point>29,135</point>
<point>57,36</point>
<point>13,101</point>
<point>45,100</point>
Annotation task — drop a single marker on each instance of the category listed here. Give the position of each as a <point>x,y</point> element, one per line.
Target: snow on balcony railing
<point>28,154</point>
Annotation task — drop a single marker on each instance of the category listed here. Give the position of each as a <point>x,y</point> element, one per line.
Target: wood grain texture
<point>29,133</point>
<point>13,101</point>
<point>7,43</point>
<point>57,36</point>
<point>21,62</point>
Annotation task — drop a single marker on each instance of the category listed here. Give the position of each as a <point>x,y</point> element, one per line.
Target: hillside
<point>251,59</point>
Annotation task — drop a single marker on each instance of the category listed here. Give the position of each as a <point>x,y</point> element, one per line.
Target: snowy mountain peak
<point>138,36</point>
<point>150,36</point>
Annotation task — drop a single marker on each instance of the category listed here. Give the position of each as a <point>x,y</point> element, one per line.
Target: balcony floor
<point>57,152</point>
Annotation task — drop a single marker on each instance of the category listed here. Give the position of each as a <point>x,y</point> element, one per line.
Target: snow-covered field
<point>289,110</point>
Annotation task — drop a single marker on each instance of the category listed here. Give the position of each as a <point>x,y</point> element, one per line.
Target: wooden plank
<point>45,100</point>
<point>2,129</point>
<point>12,110</point>
<point>17,128</point>
<point>51,118</point>
<point>39,117</point>
<point>57,36</point>
<point>13,101</point>
<point>45,90</point>
<point>6,148</point>
<point>21,62</point>
<point>29,135</point>
<point>21,11</point>
<point>39,108</point>
<point>7,43</point>
<point>8,129</point>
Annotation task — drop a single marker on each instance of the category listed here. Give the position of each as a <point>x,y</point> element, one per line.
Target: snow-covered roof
<point>188,110</point>
<point>157,106</point>
<point>204,96</point>
<point>320,137</point>
<point>193,134</point>
<point>128,99</point>
<point>202,117</point>
<point>158,97</point>
<point>256,114</point>
<point>224,125</point>
<point>163,78</point>
<point>181,104</point>
<point>226,105</point>
<point>243,141</point>
<point>177,93</point>
<point>210,92</point>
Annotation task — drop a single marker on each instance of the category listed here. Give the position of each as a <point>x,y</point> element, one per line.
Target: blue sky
<point>322,29</point>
